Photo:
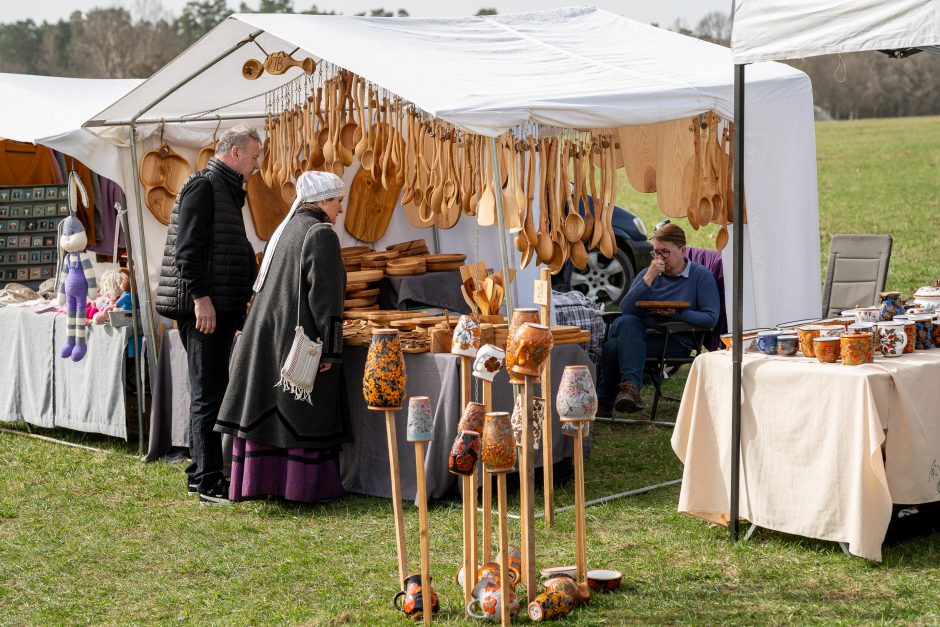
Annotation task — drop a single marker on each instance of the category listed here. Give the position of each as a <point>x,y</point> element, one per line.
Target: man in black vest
<point>205,283</point>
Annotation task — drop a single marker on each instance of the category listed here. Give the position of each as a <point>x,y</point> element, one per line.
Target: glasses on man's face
<point>662,252</point>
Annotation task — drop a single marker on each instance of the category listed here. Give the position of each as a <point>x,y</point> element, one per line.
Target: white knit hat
<point>311,186</point>
<point>314,186</point>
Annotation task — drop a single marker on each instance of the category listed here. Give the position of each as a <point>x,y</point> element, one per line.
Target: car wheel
<point>606,280</point>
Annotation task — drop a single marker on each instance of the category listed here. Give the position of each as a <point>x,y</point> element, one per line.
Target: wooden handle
<point>548,483</point>
<point>423,530</point>
<point>396,496</point>
<point>527,476</point>
<point>487,487</point>
<point>504,617</point>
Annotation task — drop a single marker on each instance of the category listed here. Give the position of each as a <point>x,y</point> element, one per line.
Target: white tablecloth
<point>812,460</point>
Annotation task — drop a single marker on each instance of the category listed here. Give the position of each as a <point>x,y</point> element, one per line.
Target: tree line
<point>117,42</point>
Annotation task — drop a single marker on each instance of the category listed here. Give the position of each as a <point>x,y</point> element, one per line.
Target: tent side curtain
<point>771,30</point>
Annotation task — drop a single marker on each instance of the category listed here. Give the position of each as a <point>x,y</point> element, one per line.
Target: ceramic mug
<point>891,338</point>
<point>472,419</point>
<point>549,605</point>
<point>488,577</point>
<point>489,361</point>
<point>538,415</point>
<point>515,557</point>
<point>520,315</point>
<point>855,348</point>
<point>807,333</point>
<point>869,328</point>
<point>827,348</point>
<point>580,593</point>
<point>867,314</point>
<point>533,343</point>
<point>464,453</point>
<point>466,338</point>
<point>576,398</point>
<point>787,344</point>
<point>489,604</point>
<point>420,419</point>
<point>411,599</point>
<point>924,323</point>
<point>499,446</point>
<point>767,341</point>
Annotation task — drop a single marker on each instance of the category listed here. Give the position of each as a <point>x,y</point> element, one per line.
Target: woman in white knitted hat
<point>286,443</point>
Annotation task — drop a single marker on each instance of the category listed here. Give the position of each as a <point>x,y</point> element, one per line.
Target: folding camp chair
<point>660,367</point>
<point>856,272</point>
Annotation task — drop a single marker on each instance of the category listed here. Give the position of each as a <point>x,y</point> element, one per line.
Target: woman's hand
<point>324,366</point>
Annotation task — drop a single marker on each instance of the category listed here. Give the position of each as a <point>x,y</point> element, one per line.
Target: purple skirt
<point>294,474</point>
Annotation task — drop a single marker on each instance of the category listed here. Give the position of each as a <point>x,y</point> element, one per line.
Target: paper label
<point>541,293</point>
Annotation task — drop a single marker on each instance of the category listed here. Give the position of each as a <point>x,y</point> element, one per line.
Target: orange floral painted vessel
<point>499,445</point>
<point>532,343</point>
<point>520,316</point>
<point>827,348</point>
<point>383,382</point>
<point>472,419</point>
<point>856,348</point>
<point>464,453</point>
<point>410,601</point>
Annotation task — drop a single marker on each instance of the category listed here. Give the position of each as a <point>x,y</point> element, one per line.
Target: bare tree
<point>715,27</point>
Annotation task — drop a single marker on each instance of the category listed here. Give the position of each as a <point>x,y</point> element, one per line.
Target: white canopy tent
<point>767,30</point>
<point>574,67</point>
<point>50,110</point>
<point>764,30</point>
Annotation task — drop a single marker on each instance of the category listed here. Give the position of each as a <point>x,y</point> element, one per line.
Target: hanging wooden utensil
<point>543,246</point>
<point>279,62</point>
<point>674,149</point>
<point>486,213</point>
<point>638,145</point>
<point>370,207</point>
<point>266,206</point>
<point>608,243</point>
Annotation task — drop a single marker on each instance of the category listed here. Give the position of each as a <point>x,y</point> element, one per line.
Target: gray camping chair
<point>856,272</point>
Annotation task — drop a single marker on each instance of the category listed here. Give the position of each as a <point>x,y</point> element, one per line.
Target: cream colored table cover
<point>811,443</point>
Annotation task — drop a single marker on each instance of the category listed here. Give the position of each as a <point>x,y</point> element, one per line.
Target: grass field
<point>100,538</point>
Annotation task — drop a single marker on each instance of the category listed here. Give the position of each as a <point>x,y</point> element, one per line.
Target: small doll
<point>115,286</point>
<point>76,282</point>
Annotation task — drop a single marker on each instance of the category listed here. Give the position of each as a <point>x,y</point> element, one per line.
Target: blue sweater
<point>699,289</point>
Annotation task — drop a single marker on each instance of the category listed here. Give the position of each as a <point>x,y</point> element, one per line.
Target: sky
<point>663,12</point>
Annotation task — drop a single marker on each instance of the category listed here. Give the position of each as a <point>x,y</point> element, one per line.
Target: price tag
<point>541,293</point>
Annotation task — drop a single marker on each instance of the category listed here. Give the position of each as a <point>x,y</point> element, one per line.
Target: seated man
<point>670,277</point>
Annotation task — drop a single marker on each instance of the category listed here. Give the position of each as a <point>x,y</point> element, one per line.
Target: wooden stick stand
<point>423,529</point>
<point>504,616</point>
<point>580,530</point>
<point>527,498</point>
<point>470,525</point>
<point>543,297</point>
<point>395,477</point>
<point>487,487</point>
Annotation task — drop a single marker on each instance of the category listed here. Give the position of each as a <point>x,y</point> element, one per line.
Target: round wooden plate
<point>355,287</point>
<point>407,271</point>
<point>363,293</point>
<point>354,303</point>
<point>364,276</point>
<point>445,257</point>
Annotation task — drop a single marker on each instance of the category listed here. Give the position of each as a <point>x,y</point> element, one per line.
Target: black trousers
<point>208,358</point>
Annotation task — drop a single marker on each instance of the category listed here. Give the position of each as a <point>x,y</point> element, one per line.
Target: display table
<point>826,449</point>
<point>40,388</point>
<point>364,461</point>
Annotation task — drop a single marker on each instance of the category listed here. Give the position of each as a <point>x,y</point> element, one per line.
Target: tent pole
<point>144,294</point>
<point>737,306</point>
<point>494,158</point>
<point>179,120</point>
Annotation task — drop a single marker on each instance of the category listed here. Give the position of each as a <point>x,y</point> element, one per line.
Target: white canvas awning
<point>768,30</point>
<point>575,67</point>
<point>50,110</point>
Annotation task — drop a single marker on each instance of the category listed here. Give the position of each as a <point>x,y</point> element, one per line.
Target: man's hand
<point>205,315</point>
<point>664,312</point>
<point>325,365</point>
<point>657,267</point>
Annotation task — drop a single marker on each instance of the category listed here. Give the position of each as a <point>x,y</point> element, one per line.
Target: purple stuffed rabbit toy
<point>76,282</point>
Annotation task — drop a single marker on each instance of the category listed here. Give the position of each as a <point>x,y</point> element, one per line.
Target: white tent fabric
<point>768,30</point>
<point>50,110</point>
<point>575,67</point>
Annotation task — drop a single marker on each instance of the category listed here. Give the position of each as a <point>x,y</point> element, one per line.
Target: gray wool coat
<point>253,408</point>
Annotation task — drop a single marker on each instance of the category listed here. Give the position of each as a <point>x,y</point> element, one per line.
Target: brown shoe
<point>628,399</point>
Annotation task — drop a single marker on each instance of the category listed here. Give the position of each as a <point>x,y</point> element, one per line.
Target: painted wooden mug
<point>384,379</point>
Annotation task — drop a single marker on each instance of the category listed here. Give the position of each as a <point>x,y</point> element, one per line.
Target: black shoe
<point>217,494</point>
<point>191,486</point>
<point>628,399</point>
<point>603,411</point>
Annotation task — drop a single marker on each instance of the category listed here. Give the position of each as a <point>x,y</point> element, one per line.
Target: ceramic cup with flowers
<point>466,338</point>
<point>520,316</point>
<point>420,419</point>
<point>891,338</point>
<point>533,343</point>
<point>410,601</point>
<point>488,362</point>
<point>464,453</point>
<point>472,419</point>
<point>535,427</point>
<point>499,446</point>
<point>384,379</point>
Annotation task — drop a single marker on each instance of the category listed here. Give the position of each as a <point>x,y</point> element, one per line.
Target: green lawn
<point>98,537</point>
<point>875,176</point>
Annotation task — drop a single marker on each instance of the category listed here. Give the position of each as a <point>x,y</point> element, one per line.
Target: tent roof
<point>766,30</point>
<point>34,108</point>
<point>572,67</point>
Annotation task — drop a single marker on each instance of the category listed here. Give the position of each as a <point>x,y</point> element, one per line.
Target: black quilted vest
<point>230,267</point>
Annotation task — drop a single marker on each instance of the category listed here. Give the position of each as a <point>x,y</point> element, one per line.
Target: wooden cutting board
<point>638,147</point>
<point>675,148</point>
<point>370,206</point>
<point>266,205</point>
